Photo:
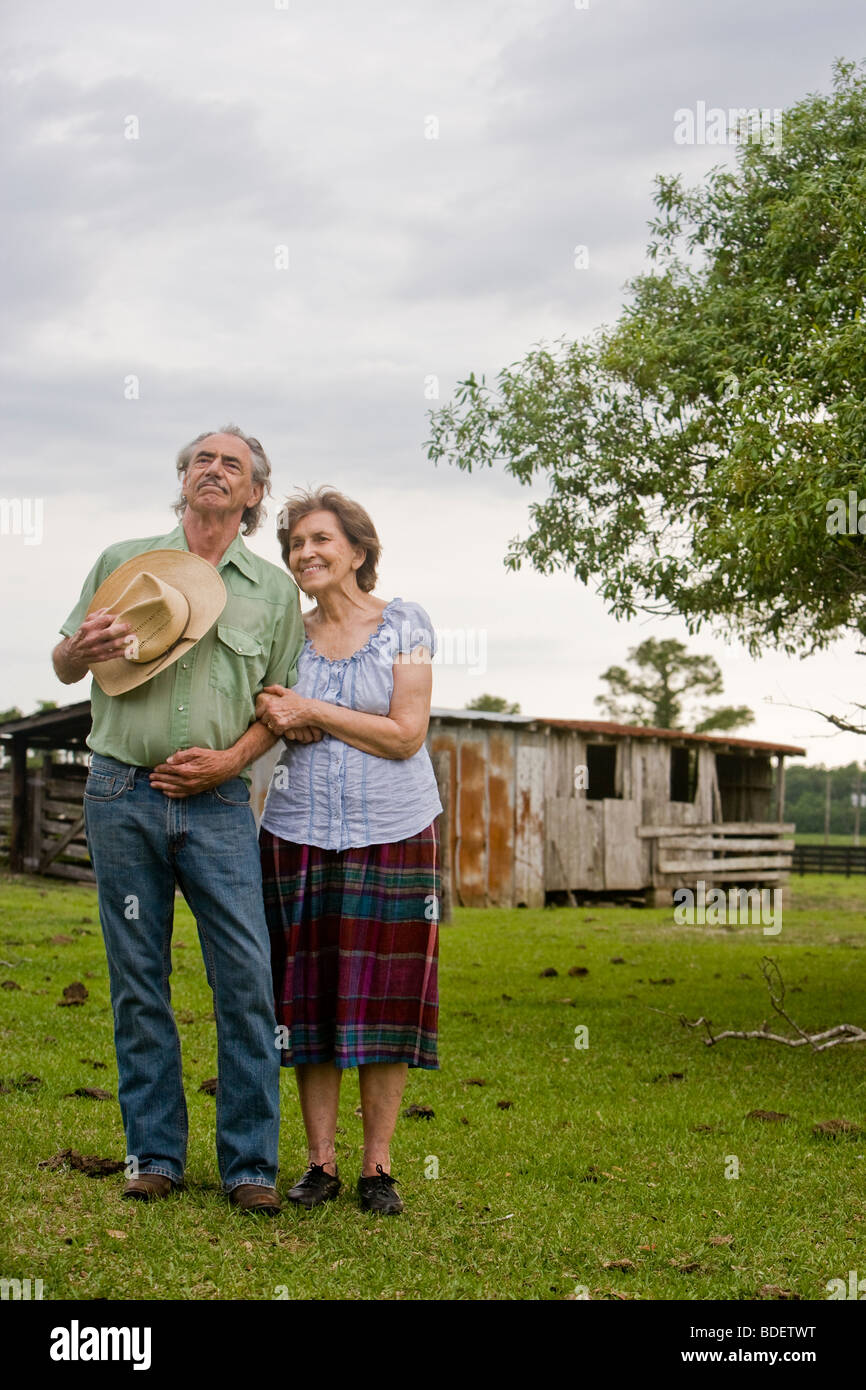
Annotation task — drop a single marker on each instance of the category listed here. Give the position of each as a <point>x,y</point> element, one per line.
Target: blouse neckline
<point>340,660</point>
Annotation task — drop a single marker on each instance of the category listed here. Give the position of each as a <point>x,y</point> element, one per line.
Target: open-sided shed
<point>46,814</point>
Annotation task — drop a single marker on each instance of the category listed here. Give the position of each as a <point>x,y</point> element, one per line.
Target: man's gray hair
<point>253,516</point>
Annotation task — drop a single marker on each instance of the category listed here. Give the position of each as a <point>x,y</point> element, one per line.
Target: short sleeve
<point>287,643</point>
<point>413,627</point>
<point>101,570</point>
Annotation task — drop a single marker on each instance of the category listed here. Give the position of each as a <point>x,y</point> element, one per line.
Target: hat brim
<point>198,581</point>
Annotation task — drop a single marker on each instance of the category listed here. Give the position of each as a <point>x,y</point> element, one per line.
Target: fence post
<point>832,859</point>
<point>39,790</point>
<point>18,824</point>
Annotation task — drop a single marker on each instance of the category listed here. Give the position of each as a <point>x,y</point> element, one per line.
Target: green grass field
<point>817,838</point>
<point>617,1152</point>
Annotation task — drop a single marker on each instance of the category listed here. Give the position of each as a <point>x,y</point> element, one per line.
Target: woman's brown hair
<point>356,523</point>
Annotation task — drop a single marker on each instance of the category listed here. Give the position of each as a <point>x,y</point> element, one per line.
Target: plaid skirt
<point>354,949</point>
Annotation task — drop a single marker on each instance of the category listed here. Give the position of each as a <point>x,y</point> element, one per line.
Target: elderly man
<point>167,803</point>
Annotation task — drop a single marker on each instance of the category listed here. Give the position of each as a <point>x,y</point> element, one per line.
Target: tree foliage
<point>665,679</point>
<point>692,450</point>
<point>806,792</point>
<point>493,704</point>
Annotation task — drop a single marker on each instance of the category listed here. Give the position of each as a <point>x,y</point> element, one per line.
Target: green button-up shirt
<point>207,698</point>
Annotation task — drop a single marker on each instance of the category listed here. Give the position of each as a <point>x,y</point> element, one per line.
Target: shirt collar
<point>237,553</point>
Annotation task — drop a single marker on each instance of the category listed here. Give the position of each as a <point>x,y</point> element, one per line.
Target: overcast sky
<point>300,132</point>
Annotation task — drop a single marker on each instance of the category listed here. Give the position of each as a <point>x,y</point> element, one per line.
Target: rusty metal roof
<point>604,728</point>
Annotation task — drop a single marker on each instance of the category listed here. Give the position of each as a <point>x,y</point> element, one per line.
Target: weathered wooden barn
<point>548,808</point>
<point>536,810</point>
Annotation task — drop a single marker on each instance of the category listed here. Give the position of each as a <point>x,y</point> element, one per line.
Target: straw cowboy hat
<point>170,599</point>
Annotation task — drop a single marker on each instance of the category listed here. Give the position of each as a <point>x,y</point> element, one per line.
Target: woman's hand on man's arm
<point>304,734</point>
<point>278,714</point>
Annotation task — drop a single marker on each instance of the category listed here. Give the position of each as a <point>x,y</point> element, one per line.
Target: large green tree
<point>693,451</point>
<point>662,686</point>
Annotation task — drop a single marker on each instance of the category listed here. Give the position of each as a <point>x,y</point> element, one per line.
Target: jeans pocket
<point>100,787</point>
<point>235,792</point>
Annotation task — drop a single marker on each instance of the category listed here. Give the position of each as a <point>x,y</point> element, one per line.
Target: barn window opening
<point>601,771</point>
<point>745,786</point>
<point>684,774</point>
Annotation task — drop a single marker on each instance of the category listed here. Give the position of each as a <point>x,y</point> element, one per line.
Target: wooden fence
<point>830,859</point>
<point>54,841</point>
<point>730,852</point>
<point>5,812</point>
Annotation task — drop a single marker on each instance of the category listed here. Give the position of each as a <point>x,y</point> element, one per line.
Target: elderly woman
<point>349,845</point>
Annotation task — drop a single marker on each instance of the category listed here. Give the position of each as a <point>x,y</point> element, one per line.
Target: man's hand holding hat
<point>165,600</point>
<point>102,637</point>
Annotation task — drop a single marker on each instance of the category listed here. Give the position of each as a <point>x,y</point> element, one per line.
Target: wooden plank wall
<point>592,844</point>
<point>58,807</point>
<point>574,845</point>
<point>500,817</point>
<point>573,826</point>
<point>623,853</point>
<point>497,820</point>
<point>529,821</point>
<point>472,818</point>
<point>5,811</point>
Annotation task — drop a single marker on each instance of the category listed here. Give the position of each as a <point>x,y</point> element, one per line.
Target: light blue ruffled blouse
<point>331,794</point>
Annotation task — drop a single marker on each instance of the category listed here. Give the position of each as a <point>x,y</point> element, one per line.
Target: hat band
<point>177,641</point>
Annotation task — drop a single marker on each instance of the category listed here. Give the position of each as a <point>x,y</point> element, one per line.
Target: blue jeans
<point>143,843</point>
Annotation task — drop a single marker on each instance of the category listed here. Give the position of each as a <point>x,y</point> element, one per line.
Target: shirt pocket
<point>238,663</point>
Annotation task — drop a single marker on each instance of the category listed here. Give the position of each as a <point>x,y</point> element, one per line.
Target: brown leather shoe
<point>249,1196</point>
<point>147,1187</point>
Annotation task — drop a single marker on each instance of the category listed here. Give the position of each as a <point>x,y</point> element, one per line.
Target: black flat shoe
<point>377,1194</point>
<point>315,1186</point>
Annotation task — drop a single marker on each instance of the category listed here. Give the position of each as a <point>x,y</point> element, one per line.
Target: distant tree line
<point>805,796</point>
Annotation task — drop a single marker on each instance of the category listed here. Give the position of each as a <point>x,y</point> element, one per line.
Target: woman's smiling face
<point>321,554</point>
